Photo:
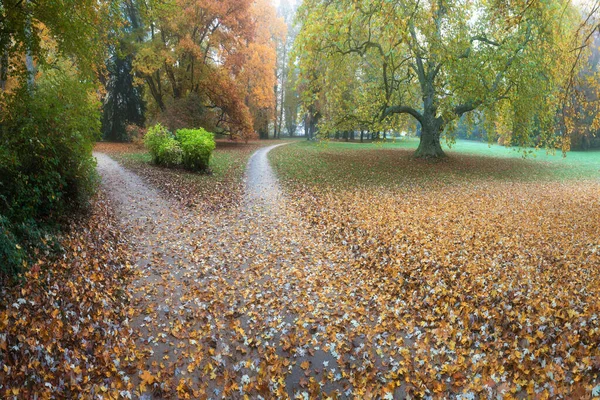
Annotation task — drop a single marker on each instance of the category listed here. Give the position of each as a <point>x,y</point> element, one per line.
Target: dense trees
<point>209,63</point>
<point>287,104</point>
<point>436,61</point>
<point>75,28</point>
<point>581,110</point>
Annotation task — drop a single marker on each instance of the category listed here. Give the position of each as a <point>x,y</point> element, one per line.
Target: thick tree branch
<point>402,110</point>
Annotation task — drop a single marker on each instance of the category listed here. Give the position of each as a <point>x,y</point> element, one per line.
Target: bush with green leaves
<point>197,146</point>
<point>169,152</point>
<point>11,251</point>
<point>46,165</point>
<point>155,138</point>
<point>190,147</point>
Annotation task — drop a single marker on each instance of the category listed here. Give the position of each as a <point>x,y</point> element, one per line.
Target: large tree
<point>204,62</point>
<point>123,103</point>
<point>437,60</point>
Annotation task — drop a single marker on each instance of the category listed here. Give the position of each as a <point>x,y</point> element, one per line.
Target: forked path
<point>239,302</point>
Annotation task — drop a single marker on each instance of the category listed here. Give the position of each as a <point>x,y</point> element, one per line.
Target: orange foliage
<point>221,51</point>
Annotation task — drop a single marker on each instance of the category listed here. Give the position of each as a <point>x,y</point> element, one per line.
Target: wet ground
<point>241,301</point>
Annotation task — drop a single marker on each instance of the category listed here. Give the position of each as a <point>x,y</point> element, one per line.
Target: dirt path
<point>241,301</point>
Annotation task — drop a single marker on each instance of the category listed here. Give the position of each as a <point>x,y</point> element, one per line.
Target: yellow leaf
<point>147,378</point>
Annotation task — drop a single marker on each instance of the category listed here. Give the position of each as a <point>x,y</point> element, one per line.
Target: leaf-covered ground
<point>484,272</point>
<point>64,331</point>
<point>363,281</point>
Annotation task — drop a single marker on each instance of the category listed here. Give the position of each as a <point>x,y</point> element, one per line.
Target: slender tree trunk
<point>282,90</point>
<point>29,64</point>
<point>3,70</point>
<point>430,146</point>
<point>156,93</point>
<point>313,125</point>
<point>362,134</point>
<point>276,112</point>
<point>306,127</point>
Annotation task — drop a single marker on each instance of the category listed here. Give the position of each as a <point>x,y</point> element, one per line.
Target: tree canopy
<point>209,63</point>
<point>375,63</point>
<point>74,26</point>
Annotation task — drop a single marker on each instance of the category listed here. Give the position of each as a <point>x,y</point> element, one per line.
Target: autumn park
<point>299,199</point>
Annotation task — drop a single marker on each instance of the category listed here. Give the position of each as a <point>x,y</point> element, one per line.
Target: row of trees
<point>513,66</point>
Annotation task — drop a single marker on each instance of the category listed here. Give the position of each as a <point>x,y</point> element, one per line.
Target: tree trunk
<point>430,146</point>
<point>306,127</point>
<point>3,70</point>
<point>276,113</point>
<point>28,52</point>
<point>156,93</point>
<point>283,76</point>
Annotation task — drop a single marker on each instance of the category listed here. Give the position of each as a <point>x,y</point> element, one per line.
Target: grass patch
<point>391,164</point>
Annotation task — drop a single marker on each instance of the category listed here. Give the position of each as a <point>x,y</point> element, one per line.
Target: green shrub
<point>169,153</point>
<point>197,146</point>
<point>155,138</point>
<point>46,165</point>
<point>11,251</point>
<point>190,147</point>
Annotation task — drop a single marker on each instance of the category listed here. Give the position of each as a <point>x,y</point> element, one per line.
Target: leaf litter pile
<point>475,289</point>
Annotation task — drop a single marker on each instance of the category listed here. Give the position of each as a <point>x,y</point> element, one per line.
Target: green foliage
<point>381,67</point>
<point>123,103</point>
<point>46,163</point>
<point>156,137</point>
<point>77,27</point>
<point>169,152</point>
<point>190,147</point>
<point>11,251</point>
<point>197,146</point>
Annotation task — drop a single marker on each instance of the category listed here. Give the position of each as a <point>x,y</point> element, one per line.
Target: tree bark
<point>29,64</point>
<point>283,76</point>
<point>3,70</point>
<point>306,127</point>
<point>156,93</point>
<point>429,145</point>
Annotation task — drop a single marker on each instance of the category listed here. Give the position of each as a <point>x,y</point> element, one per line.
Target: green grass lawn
<point>391,163</point>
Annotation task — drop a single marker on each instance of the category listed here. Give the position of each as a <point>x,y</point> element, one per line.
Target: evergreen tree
<point>123,104</point>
